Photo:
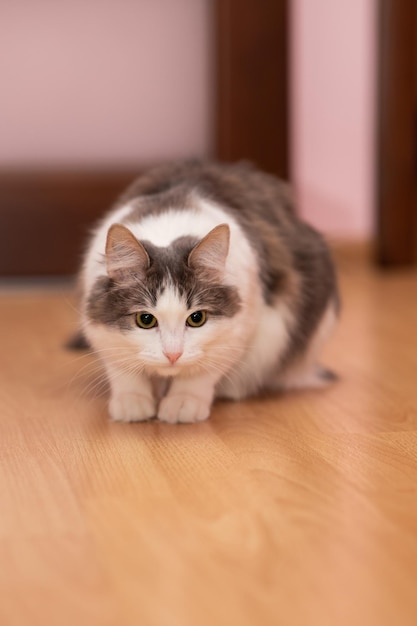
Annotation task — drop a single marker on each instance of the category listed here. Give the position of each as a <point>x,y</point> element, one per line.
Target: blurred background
<point>320,92</point>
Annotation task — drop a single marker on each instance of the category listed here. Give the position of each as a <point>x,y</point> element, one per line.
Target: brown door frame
<point>396,171</point>
<point>253,82</point>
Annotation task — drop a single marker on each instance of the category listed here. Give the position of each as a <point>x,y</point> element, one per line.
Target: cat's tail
<point>310,377</point>
<point>77,342</point>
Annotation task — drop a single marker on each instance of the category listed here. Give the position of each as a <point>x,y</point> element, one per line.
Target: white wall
<point>333,53</point>
<point>104,81</point>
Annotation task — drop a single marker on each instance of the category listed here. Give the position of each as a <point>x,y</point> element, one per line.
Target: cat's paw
<point>131,407</point>
<point>183,408</point>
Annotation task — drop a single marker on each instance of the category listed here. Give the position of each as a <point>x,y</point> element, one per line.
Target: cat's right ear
<point>126,258</point>
<point>209,255</point>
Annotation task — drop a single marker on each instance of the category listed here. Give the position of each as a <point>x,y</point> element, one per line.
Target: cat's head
<point>169,307</point>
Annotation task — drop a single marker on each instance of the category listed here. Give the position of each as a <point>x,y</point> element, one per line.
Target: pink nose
<point>172,356</point>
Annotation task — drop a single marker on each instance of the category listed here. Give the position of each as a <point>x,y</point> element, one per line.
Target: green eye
<point>146,320</point>
<point>196,319</point>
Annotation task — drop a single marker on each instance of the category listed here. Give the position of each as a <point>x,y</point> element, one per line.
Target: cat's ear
<point>126,258</point>
<point>210,254</point>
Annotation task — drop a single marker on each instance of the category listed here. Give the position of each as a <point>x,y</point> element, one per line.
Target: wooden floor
<point>293,510</point>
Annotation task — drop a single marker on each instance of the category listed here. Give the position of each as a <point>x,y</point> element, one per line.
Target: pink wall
<point>92,82</point>
<point>333,112</point>
<point>97,81</point>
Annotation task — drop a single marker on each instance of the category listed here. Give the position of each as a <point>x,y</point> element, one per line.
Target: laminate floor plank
<point>297,509</point>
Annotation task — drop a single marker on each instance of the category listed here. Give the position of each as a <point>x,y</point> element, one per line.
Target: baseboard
<point>45,216</point>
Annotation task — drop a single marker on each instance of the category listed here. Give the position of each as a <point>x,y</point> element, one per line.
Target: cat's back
<point>190,197</point>
<point>185,199</point>
<point>239,187</point>
<point>196,193</point>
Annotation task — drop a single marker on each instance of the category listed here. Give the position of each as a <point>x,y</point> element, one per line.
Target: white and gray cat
<point>203,283</point>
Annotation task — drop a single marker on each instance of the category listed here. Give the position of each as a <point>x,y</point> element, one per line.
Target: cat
<point>202,283</point>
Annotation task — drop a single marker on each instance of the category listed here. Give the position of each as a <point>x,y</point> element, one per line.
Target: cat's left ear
<point>210,254</point>
<point>126,258</point>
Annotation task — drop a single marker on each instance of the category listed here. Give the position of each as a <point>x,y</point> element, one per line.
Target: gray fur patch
<point>113,303</point>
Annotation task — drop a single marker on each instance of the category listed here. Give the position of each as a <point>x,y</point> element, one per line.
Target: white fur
<point>94,264</point>
<point>230,357</point>
<point>269,340</point>
<point>163,229</point>
<point>305,372</point>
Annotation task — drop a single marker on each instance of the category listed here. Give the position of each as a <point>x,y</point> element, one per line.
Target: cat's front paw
<point>183,408</point>
<point>131,407</point>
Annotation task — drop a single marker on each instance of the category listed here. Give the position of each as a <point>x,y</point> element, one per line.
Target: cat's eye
<point>146,320</point>
<point>196,319</point>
